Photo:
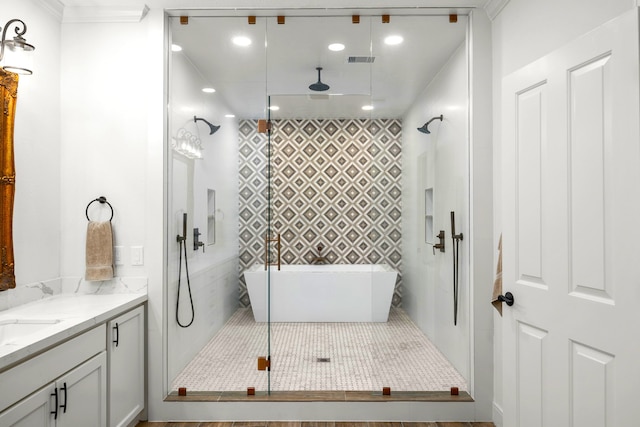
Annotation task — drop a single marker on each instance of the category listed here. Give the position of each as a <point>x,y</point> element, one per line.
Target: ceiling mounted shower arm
<point>319,86</point>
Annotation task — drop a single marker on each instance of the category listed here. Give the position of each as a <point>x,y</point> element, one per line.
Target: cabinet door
<point>126,367</point>
<point>33,411</point>
<point>82,394</point>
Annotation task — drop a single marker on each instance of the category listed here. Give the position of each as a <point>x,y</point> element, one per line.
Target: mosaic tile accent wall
<point>335,182</point>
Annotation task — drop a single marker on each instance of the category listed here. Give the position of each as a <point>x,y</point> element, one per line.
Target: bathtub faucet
<point>320,259</point>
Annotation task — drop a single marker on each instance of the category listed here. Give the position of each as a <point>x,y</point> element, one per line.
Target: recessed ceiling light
<point>176,48</point>
<point>229,116</point>
<point>274,108</point>
<point>393,40</point>
<point>241,41</point>
<point>336,47</point>
<point>208,90</point>
<point>367,107</point>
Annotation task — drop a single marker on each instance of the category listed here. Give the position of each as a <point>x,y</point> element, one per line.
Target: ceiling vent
<point>361,59</point>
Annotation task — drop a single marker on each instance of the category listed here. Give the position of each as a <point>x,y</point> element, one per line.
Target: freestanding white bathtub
<point>322,293</point>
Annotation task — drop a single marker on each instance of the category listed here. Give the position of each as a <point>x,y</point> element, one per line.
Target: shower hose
<point>183,244</point>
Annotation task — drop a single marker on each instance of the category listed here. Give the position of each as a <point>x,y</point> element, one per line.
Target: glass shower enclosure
<point>301,261</point>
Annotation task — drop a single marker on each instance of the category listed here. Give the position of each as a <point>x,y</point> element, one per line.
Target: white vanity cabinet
<point>126,347</point>
<point>93,378</point>
<point>71,384</point>
<point>33,411</point>
<point>82,395</point>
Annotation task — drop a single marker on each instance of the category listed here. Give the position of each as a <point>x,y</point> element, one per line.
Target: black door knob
<point>508,298</point>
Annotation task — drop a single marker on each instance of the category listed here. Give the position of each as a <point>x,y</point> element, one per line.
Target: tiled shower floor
<point>362,356</point>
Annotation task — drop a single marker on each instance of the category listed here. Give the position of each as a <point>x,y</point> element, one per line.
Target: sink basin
<point>13,329</point>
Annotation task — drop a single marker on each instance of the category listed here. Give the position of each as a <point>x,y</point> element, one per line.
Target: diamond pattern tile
<point>334,182</point>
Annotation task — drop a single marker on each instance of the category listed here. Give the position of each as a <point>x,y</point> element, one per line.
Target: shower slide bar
<point>456,256</point>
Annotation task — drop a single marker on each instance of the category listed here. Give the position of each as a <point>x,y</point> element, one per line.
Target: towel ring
<point>102,200</point>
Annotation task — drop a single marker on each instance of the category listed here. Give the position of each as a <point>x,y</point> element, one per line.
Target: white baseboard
<point>497,414</point>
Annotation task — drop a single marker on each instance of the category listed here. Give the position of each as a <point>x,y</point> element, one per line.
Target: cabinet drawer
<point>46,367</point>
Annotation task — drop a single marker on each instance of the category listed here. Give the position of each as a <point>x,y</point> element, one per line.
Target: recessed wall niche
<point>335,182</point>
<point>428,216</point>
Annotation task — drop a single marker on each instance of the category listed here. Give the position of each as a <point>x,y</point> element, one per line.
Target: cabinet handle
<point>117,334</point>
<point>64,406</point>
<point>55,410</point>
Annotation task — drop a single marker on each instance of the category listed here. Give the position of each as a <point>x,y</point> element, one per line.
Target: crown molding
<point>84,14</point>
<point>494,7</point>
<point>54,7</point>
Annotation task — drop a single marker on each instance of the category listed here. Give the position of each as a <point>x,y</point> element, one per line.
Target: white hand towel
<point>99,254</point>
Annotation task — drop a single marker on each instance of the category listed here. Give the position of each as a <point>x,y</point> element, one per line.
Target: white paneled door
<point>571,236</point>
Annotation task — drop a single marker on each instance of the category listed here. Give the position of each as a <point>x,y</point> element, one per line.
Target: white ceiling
<point>282,59</point>
<point>281,62</point>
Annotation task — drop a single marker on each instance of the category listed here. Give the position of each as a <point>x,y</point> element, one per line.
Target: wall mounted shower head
<point>319,86</point>
<point>212,128</point>
<point>425,127</point>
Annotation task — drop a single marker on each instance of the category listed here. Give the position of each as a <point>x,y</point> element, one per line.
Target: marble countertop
<point>57,318</point>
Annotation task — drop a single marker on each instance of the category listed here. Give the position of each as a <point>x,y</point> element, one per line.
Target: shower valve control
<point>196,240</point>
<point>439,245</point>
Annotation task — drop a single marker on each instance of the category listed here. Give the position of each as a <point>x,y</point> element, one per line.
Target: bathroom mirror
<point>327,173</point>
<point>8,95</point>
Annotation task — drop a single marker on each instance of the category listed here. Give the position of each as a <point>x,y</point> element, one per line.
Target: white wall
<point>104,134</point>
<point>439,161</point>
<point>212,272</point>
<point>219,163</point>
<point>522,32</point>
<point>36,219</point>
<point>429,305</point>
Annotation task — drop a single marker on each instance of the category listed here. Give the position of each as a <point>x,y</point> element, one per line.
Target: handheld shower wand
<point>182,241</point>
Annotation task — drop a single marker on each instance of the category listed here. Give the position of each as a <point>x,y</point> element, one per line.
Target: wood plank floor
<point>313,424</point>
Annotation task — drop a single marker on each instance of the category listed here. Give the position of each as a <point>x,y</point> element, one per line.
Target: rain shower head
<point>212,128</point>
<point>319,86</point>
<point>425,127</point>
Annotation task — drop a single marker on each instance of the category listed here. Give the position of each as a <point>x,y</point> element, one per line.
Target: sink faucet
<point>320,259</point>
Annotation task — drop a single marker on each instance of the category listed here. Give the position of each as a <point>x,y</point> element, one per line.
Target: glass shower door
<point>218,347</point>
<point>326,179</point>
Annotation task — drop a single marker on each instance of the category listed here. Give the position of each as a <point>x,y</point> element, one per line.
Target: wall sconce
<point>18,52</point>
<point>187,144</point>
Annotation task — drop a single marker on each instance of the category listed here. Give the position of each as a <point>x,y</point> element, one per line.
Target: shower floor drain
<point>323,359</point>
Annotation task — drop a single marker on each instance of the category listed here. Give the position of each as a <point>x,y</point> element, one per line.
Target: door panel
<point>571,169</point>
<point>590,139</point>
<point>531,124</point>
<point>591,385</point>
<point>530,368</point>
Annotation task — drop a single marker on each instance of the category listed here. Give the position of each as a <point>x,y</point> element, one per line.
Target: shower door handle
<point>267,241</point>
